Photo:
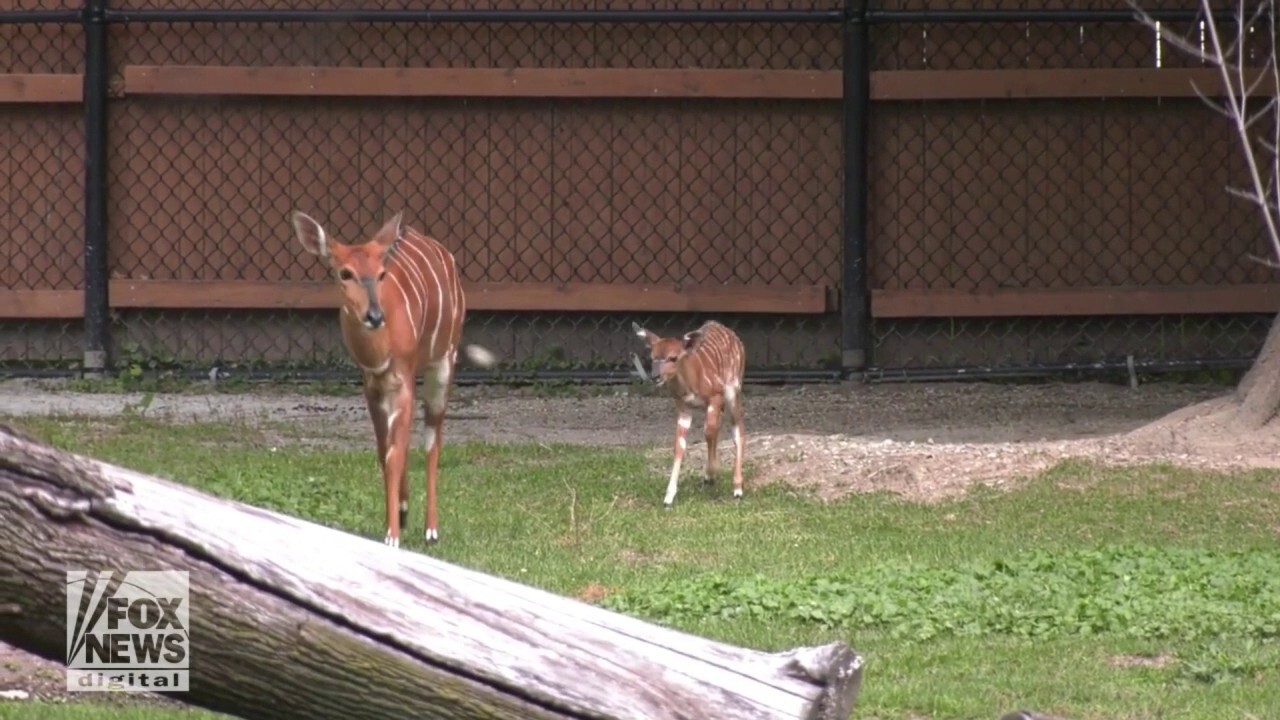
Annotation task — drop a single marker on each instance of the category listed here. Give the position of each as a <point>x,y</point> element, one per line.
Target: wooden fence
<point>1016,172</point>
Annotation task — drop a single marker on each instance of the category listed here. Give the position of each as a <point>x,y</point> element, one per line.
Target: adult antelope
<point>401,315</point>
<point>703,369</point>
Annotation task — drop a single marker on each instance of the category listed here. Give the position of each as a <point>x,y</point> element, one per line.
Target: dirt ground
<point>922,441</point>
<point>925,442</point>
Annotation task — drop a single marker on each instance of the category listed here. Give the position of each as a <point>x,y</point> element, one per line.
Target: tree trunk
<point>290,619</point>
<point>1258,393</point>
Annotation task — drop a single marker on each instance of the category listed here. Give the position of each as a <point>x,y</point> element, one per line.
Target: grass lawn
<point>1145,592</point>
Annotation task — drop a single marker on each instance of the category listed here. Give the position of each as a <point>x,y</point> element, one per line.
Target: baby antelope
<point>703,369</point>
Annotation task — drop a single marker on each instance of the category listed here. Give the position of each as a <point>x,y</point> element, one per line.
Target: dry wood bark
<point>1258,393</point>
<point>291,619</point>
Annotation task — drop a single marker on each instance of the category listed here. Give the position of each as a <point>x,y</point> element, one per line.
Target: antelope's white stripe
<point>419,282</point>
<point>435,281</point>
<point>403,296</point>
<point>454,286</point>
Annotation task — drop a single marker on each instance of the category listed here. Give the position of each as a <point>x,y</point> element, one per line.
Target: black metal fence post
<point>96,272</point>
<point>855,296</point>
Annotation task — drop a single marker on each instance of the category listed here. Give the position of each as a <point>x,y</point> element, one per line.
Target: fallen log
<point>291,619</point>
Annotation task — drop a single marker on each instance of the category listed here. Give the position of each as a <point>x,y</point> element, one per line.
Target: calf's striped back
<point>713,361</point>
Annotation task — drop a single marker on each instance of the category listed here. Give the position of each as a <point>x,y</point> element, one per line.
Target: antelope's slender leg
<point>711,426</point>
<point>733,398</point>
<point>404,484</point>
<point>373,398</point>
<point>404,472</point>
<point>399,401</point>
<point>377,398</point>
<point>684,419</point>
<point>436,399</point>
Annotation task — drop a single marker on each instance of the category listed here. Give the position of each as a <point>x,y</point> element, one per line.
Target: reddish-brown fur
<point>702,369</point>
<point>401,315</point>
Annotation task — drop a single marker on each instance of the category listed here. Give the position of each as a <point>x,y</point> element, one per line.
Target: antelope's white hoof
<point>391,541</point>
<point>668,504</point>
<point>737,493</point>
<point>432,535</point>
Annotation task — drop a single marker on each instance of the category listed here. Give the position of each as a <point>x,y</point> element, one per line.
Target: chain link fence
<point>41,192</point>
<point>965,196</point>
<point>989,196</point>
<point>524,190</point>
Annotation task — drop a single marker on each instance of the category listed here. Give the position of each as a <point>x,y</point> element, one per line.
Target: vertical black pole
<point>96,303</point>
<point>855,296</point>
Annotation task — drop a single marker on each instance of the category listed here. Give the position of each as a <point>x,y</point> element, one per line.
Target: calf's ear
<point>643,334</point>
<point>691,339</point>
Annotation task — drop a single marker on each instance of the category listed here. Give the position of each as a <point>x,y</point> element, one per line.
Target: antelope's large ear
<point>392,231</point>
<point>643,334</point>
<point>310,234</point>
<point>691,339</point>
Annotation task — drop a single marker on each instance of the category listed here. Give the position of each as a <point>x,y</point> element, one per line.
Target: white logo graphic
<point>127,631</point>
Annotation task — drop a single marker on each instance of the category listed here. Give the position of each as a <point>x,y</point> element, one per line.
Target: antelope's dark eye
<point>672,358</point>
<point>346,275</point>
<point>382,276</point>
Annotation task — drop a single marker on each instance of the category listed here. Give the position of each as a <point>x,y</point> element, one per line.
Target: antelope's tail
<point>479,356</point>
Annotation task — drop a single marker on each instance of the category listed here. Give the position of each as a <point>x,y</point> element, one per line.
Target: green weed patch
<point>1139,592</point>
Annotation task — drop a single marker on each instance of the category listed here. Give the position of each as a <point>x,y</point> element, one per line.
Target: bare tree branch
<point>1262,115</point>
<point>1275,104</point>
<point>1239,87</point>
<point>1214,105</point>
<point>1253,85</point>
<point>1250,195</point>
<point>1258,393</point>
<point>1264,261</point>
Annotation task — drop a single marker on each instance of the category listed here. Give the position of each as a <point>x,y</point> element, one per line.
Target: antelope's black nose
<point>374,318</point>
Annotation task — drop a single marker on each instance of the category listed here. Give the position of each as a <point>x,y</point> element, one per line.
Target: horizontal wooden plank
<point>1057,83</point>
<point>41,304</point>
<point>571,297</point>
<point>600,297</point>
<point>480,82</point>
<point>41,87</point>
<point>666,83</point>
<point>1019,302</point>
<point>605,297</point>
